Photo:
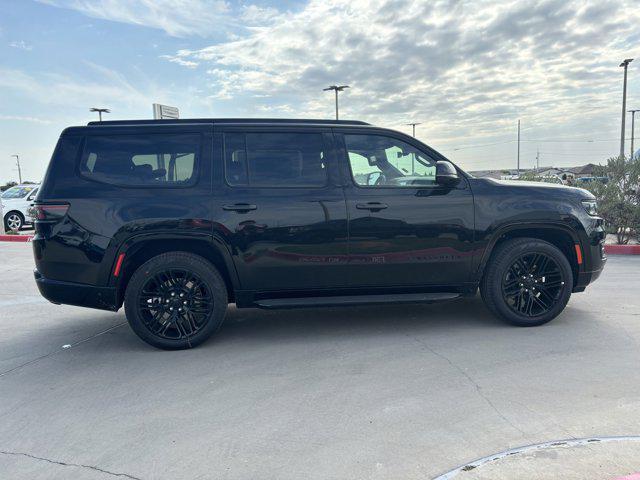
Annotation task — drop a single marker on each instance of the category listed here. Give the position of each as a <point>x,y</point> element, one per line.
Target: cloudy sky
<point>467,70</point>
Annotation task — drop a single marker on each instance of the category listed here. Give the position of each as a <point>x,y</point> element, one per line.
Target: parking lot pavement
<point>405,392</point>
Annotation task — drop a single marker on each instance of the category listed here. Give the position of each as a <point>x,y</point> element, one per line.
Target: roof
<point>584,169</point>
<point>231,120</point>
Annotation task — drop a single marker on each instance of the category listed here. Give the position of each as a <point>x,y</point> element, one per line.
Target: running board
<point>346,300</point>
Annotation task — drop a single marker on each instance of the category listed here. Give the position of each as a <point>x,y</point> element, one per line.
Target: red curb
<point>622,249</point>
<point>633,476</point>
<point>15,238</point>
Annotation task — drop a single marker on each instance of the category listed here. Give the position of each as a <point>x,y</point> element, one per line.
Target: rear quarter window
<point>161,160</point>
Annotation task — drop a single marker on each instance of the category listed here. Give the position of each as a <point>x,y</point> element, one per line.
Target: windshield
<point>17,192</point>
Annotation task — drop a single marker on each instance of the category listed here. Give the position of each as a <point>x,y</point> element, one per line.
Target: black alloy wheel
<point>176,300</point>
<point>175,304</point>
<point>533,284</point>
<point>527,282</point>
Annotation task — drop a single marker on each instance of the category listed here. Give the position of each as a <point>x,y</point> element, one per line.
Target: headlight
<point>591,206</point>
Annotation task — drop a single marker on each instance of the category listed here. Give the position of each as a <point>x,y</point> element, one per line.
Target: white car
<point>15,205</point>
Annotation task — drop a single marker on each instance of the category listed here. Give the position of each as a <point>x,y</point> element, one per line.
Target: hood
<point>556,187</point>
<point>7,201</point>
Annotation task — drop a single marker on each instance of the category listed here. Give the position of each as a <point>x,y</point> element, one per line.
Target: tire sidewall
<point>177,260</point>
<point>503,260</point>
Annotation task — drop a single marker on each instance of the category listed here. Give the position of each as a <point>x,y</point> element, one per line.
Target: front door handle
<point>239,207</point>
<point>372,206</point>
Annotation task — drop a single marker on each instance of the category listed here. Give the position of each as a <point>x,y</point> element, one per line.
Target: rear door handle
<point>372,206</point>
<point>239,207</point>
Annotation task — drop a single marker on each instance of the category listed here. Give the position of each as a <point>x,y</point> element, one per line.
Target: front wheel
<point>527,282</point>
<point>175,300</point>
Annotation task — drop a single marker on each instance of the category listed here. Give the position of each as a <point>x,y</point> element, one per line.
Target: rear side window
<point>141,160</point>
<point>275,159</point>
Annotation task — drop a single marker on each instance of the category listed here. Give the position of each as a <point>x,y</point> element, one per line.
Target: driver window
<point>379,161</point>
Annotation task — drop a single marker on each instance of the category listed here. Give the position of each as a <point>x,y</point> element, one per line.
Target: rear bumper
<point>79,294</point>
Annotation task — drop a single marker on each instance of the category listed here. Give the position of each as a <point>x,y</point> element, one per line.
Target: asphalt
<point>402,392</point>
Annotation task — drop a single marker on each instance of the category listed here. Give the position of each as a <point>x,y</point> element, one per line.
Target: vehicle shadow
<point>374,320</point>
<point>466,318</point>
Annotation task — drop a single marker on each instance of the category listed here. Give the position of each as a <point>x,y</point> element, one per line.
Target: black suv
<point>178,218</point>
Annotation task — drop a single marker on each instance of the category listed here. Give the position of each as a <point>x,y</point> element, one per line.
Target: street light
<point>19,171</point>
<point>414,127</point>
<point>336,88</point>
<point>624,64</point>
<point>633,122</point>
<point>100,111</point>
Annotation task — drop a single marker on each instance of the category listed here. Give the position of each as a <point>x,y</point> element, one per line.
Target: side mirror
<point>446,174</point>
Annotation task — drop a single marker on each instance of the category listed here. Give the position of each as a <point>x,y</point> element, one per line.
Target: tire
<point>13,221</point>
<point>523,276</point>
<point>170,282</point>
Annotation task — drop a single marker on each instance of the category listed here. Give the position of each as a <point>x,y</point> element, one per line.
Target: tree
<point>7,186</point>
<point>619,198</point>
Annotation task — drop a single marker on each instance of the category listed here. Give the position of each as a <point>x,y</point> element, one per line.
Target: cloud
<point>180,60</point>
<point>20,118</point>
<point>177,18</point>
<point>462,67</point>
<point>67,95</point>
<point>20,44</point>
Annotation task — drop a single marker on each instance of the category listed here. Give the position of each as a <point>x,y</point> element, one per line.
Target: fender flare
<point>216,242</point>
<point>515,226</point>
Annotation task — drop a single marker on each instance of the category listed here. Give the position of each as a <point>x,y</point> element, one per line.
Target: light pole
<point>633,125</point>
<point>100,111</point>
<point>336,88</point>
<point>624,64</point>
<point>518,148</point>
<point>19,171</point>
<point>414,127</point>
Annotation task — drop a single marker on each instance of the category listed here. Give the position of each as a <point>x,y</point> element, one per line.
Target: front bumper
<point>79,294</point>
<point>595,260</point>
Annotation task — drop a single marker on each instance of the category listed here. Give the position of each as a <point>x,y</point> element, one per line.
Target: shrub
<point>619,198</point>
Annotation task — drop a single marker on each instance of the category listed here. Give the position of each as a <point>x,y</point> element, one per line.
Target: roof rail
<point>230,120</point>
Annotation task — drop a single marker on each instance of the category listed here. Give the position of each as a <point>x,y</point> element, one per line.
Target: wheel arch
<point>14,210</point>
<point>558,234</point>
<point>137,250</point>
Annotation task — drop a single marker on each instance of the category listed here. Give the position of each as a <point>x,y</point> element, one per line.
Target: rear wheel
<point>175,300</point>
<point>527,282</point>
<point>13,221</point>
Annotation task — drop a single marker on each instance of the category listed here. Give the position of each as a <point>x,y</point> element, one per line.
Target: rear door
<point>281,208</point>
<point>405,230</point>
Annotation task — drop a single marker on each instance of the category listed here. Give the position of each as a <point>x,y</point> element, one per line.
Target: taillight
<point>51,212</point>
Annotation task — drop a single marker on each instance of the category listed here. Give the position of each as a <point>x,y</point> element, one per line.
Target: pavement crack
<point>473,382</point>
<point>66,464</point>
<point>42,357</point>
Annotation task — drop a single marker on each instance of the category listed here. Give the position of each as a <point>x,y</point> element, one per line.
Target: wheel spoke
<point>532,284</point>
<point>530,303</point>
<point>544,292</point>
<point>543,305</point>
<point>175,303</point>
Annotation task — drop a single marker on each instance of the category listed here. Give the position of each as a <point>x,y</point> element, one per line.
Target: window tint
<point>154,159</point>
<point>275,159</point>
<point>379,161</point>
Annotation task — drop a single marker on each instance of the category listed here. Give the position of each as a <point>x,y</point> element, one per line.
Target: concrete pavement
<point>406,392</point>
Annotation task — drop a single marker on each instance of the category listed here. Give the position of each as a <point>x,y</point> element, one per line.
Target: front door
<point>404,229</point>
<point>284,212</point>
